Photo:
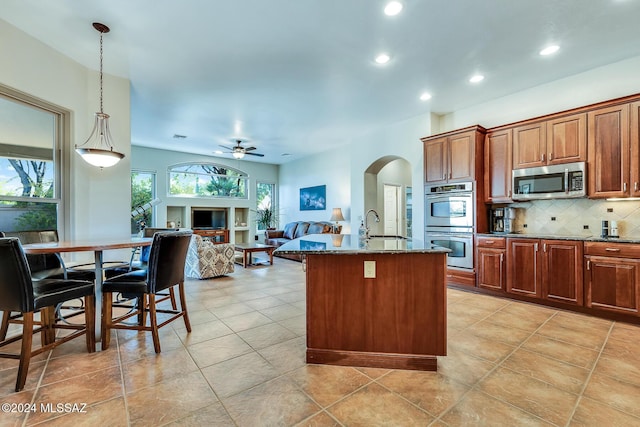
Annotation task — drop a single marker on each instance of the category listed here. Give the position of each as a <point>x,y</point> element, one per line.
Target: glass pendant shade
<point>238,154</point>
<point>98,148</point>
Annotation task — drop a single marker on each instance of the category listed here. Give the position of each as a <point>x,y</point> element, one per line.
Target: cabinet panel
<point>612,284</point>
<point>461,155</point>
<point>562,271</point>
<point>635,150</point>
<point>567,139</point>
<point>491,273</point>
<point>529,146</point>
<point>523,271</point>
<point>497,166</point>
<point>608,151</point>
<point>435,160</point>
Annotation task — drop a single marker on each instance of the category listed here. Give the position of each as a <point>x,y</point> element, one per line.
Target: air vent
<point>178,136</point>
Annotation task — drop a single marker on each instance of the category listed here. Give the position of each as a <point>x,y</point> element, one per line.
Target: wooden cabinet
<point>634,159</point>
<point>555,141</point>
<point>562,278</point>
<point>216,236</point>
<point>491,259</point>
<point>608,152</point>
<point>524,267</point>
<point>497,166</point>
<point>612,277</point>
<point>452,157</point>
<point>548,269</point>
<point>567,139</point>
<point>529,146</point>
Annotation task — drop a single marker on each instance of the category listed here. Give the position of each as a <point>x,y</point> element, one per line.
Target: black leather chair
<point>44,266</point>
<point>164,271</point>
<point>19,293</point>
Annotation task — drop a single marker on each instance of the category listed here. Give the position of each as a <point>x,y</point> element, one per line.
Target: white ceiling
<point>299,77</point>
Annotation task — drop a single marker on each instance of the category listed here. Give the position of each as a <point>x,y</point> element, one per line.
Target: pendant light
<point>97,150</point>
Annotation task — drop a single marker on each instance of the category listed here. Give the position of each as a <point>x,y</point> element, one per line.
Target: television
<point>209,218</point>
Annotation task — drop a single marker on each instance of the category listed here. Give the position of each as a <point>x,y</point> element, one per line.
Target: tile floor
<point>509,364</point>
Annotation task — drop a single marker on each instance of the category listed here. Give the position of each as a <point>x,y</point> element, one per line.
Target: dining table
<point>97,246</point>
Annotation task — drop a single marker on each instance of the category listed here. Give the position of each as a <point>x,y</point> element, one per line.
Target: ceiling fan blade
<point>225,147</point>
<point>249,148</point>
<point>254,154</point>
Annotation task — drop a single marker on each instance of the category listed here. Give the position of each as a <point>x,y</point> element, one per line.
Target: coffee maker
<point>502,220</point>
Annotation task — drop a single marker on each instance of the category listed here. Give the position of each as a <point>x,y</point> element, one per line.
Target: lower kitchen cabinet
<point>612,283</point>
<point>547,269</point>
<point>491,256</point>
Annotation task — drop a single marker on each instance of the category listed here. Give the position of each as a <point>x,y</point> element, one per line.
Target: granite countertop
<point>351,244</point>
<point>586,238</point>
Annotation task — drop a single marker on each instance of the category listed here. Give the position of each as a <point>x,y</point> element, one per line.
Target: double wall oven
<point>450,221</point>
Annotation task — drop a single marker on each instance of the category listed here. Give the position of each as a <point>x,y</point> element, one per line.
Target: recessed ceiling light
<point>383,58</point>
<point>477,78</point>
<point>425,96</point>
<point>393,8</point>
<point>549,50</point>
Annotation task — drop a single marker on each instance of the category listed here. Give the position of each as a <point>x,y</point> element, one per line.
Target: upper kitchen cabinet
<point>609,152</point>
<point>635,150</point>
<point>497,166</point>
<point>555,141</point>
<point>453,156</point>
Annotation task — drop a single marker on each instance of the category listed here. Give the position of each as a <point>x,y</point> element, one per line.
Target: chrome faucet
<point>366,219</point>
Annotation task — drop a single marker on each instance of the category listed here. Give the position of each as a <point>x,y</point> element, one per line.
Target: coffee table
<point>248,249</point>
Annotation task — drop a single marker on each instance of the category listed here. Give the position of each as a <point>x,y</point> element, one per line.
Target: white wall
<point>99,199</point>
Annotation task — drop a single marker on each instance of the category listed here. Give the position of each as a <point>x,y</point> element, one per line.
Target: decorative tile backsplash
<point>572,215</point>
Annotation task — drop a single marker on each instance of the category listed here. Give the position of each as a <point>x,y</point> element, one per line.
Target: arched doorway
<point>388,191</point>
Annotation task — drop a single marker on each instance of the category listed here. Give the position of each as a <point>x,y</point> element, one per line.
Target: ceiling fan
<point>239,151</point>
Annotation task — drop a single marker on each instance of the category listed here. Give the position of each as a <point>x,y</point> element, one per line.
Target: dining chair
<point>164,271</point>
<point>19,293</point>
<point>45,266</point>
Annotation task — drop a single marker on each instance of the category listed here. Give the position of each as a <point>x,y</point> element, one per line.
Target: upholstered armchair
<point>206,259</point>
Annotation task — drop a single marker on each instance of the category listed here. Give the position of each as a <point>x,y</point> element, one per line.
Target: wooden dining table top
<point>86,245</point>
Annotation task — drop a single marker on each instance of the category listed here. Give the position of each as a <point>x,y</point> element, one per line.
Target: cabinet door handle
<point>535,246</point>
<point>501,260</point>
<point>635,186</point>
<point>550,156</point>
<point>444,176</point>
<point>489,242</point>
<point>542,157</point>
<point>588,265</point>
<point>304,263</point>
<point>544,247</point>
<point>612,249</point>
<point>450,175</point>
<point>624,187</point>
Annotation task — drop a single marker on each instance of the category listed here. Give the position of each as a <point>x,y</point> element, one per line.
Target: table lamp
<point>336,215</point>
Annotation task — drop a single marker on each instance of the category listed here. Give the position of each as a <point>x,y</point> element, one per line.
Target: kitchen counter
<point>342,244</point>
<point>378,303</point>
<point>561,237</point>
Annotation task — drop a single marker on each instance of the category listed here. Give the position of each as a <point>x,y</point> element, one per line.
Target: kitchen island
<point>375,303</point>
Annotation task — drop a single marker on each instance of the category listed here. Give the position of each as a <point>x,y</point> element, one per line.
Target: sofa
<point>206,259</point>
<point>293,230</point>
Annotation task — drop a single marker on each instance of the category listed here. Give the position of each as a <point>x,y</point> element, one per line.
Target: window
<point>143,191</point>
<point>30,196</point>
<point>265,205</point>
<point>207,180</point>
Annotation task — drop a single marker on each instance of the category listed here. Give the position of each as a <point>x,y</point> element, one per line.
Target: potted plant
<point>266,218</point>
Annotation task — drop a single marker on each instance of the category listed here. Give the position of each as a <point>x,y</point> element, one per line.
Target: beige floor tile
<point>155,369</point>
<point>287,355</point>
<point>267,335</point>
<point>535,397</point>
<point>162,403</point>
<point>231,310</point>
<point>375,405</point>
<point>217,350</point>
<point>374,373</point>
<point>277,403</point>
<point>622,348</point>
<point>565,352</point>
<point>627,370</point>
<point>212,415</point>
<point>479,409</point>
<point>517,320</point>
<point>282,312</point>
<point>486,302</point>
<point>16,418</point>
<point>501,333</point>
<point>321,419</point>
<point>327,384</point>
<point>238,374</point>
<point>463,367</point>
<point>266,302</point>
<point>72,365</point>
<point>431,391</point>
<point>551,371</point>
<point>203,332</point>
<point>490,350</point>
<point>9,375</point>
<point>618,394</point>
<point>591,413</point>
<point>591,338</point>
<point>246,321</point>
<point>110,413</point>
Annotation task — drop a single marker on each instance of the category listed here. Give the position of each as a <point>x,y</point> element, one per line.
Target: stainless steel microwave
<point>550,182</point>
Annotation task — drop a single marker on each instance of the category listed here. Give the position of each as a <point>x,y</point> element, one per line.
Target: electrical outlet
<point>369,269</point>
